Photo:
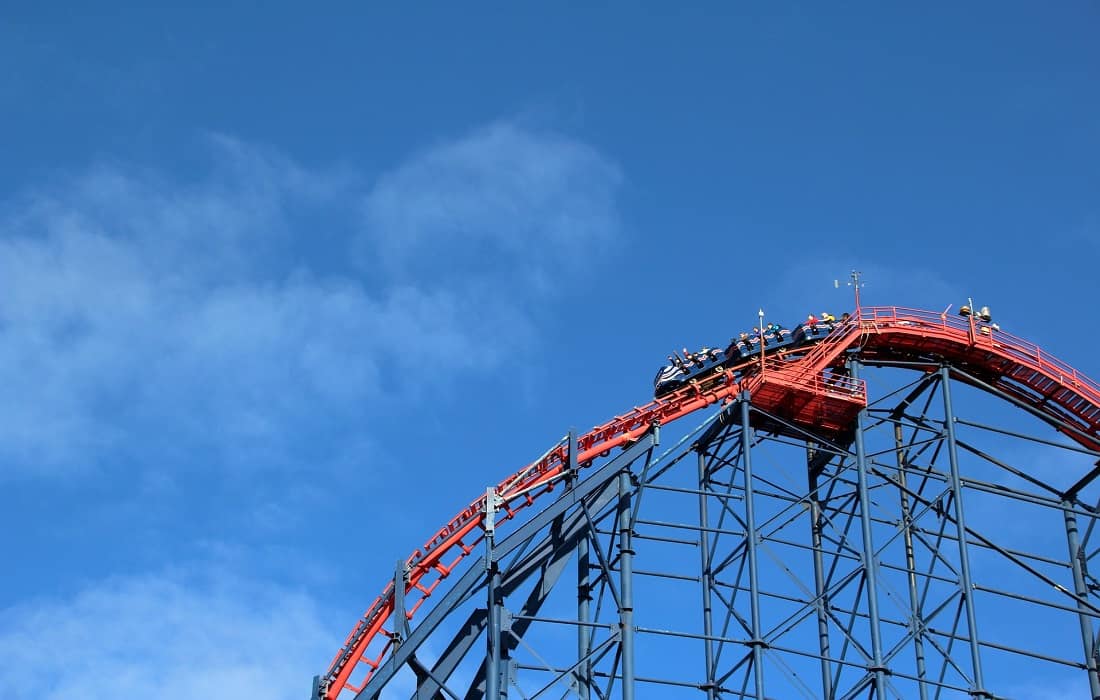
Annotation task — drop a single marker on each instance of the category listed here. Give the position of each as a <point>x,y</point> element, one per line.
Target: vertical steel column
<point>960,528</point>
<point>1076,559</point>
<point>400,615</point>
<point>584,617</point>
<point>869,569</point>
<point>626,586</point>
<point>705,576</point>
<point>756,642</point>
<point>819,579</point>
<point>584,595</point>
<point>493,629</point>
<point>916,616</point>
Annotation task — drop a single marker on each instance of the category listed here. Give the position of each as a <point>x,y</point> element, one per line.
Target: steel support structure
<point>925,551</point>
<point>957,501</point>
<point>870,576</point>
<point>706,573</point>
<point>757,643</point>
<point>821,598</point>
<point>1078,561</point>
<point>626,585</point>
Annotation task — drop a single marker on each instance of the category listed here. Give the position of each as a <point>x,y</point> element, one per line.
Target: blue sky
<point>281,291</point>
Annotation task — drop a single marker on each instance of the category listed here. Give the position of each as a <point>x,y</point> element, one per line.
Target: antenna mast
<point>760,315</point>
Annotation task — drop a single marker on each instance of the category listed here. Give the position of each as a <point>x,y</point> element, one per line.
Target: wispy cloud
<point>135,307</point>
<point>150,320</point>
<point>171,636</point>
<point>144,317</point>
<point>907,283</point>
<point>532,206</point>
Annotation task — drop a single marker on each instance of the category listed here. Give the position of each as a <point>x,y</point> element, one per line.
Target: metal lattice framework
<point>886,514</point>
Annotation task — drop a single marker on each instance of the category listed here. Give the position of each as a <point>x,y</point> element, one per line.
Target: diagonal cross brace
<point>473,578</point>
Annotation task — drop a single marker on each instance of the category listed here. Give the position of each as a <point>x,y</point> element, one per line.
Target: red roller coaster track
<point>920,338</point>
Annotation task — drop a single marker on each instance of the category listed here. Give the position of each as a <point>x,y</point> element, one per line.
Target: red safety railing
<point>792,373</point>
<point>877,318</point>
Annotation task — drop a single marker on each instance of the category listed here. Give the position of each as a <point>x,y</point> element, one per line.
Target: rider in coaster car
<point>667,374</point>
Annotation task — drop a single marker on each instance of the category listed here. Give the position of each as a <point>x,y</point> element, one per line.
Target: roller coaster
<point>806,537</point>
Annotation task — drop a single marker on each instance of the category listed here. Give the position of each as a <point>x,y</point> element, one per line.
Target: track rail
<point>882,333</point>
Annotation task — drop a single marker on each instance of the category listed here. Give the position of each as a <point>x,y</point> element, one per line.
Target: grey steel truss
<point>918,554</point>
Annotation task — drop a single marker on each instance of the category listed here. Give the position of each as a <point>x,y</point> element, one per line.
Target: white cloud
<point>164,636</point>
<point>130,307</point>
<point>219,320</point>
<point>811,281</point>
<point>543,202</point>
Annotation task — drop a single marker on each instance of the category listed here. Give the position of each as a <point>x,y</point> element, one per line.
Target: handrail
<point>998,340</point>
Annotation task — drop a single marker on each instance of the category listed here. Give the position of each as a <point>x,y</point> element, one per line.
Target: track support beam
<point>757,643</point>
<point>626,585</point>
<point>706,575</point>
<point>821,595</point>
<point>495,606</point>
<point>877,669</point>
<point>584,600</point>
<point>966,583</point>
<point>916,615</point>
<point>1077,558</point>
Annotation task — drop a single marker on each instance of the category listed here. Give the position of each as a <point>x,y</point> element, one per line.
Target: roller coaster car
<point>750,347</point>
<point>782,339</point>
<point>804,332</point>
<point>741,348</point>
<point>669,378</point>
